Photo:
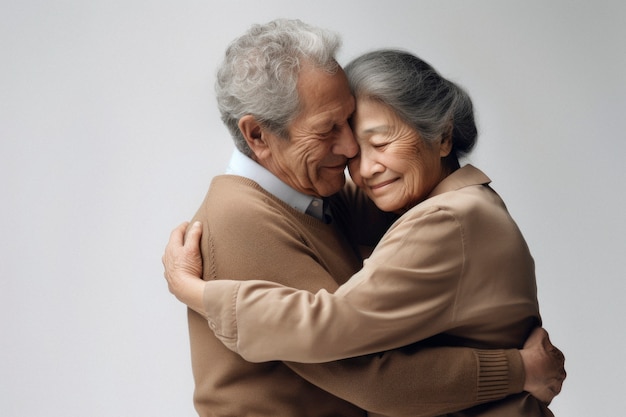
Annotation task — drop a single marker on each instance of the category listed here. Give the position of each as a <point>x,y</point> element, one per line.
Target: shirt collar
<point>244,166</point>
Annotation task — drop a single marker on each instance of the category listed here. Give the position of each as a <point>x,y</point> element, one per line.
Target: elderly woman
<point>454,268</point>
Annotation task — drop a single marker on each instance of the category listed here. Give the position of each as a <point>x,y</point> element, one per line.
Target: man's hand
<point>544,365</point>
<point>183,266</point>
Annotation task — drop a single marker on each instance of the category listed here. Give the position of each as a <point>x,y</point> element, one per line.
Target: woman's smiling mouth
<point>381,184</point>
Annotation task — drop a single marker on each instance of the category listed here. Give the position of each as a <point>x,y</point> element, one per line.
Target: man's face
<point>320,142</point>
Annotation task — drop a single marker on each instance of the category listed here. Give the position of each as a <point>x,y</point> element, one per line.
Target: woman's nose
<point>369,166</point>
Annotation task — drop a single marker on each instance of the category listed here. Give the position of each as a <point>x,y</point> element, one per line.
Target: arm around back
<point>420,381</point>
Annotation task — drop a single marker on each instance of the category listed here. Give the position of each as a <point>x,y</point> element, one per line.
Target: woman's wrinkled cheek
<point>414,180</point>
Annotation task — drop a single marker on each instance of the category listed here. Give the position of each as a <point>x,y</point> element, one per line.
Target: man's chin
<point>331,185</point>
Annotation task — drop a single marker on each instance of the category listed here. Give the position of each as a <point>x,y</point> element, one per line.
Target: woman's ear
<point>254,134</point>
<point>446,143</point>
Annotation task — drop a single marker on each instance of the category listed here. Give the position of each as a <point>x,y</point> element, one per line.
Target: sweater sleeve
<point>418,381</point>
<point>414,380</point>
<point>408,283</point>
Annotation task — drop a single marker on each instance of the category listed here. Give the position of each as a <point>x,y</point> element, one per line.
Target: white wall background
<point>110,136</point>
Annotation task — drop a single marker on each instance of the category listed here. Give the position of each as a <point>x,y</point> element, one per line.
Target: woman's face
<point>395,167</point>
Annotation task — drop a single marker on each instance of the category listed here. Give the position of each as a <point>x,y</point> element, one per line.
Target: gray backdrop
<point>110,136</point>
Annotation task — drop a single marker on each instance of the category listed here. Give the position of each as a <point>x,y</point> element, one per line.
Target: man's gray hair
<point>259,74</point>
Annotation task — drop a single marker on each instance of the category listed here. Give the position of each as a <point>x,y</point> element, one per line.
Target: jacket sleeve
<point>407,283</point>
<point>420,381</point>
<point>414,380</point>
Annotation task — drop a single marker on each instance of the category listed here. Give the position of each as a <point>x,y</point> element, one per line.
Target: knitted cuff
<point>501,373</point>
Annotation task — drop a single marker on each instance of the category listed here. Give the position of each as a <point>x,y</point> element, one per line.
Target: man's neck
<point>245,166</point>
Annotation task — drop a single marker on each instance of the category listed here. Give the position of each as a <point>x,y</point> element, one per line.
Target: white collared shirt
<point>244,166</point>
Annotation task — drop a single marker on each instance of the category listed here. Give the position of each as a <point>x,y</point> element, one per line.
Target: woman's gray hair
<point>259,74</point>
<point>433,105</point>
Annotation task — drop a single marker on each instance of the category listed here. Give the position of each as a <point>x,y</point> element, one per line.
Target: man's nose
<point>346,144</point>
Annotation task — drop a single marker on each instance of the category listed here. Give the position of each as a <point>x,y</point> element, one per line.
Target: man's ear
<point>255,135</point>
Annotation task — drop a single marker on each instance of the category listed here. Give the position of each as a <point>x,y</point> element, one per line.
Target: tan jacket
<point>454,270</point>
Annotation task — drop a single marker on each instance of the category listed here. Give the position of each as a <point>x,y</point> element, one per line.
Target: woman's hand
<point>183,265</point>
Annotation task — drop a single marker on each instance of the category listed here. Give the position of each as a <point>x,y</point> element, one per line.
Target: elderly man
<point>287,103</point>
